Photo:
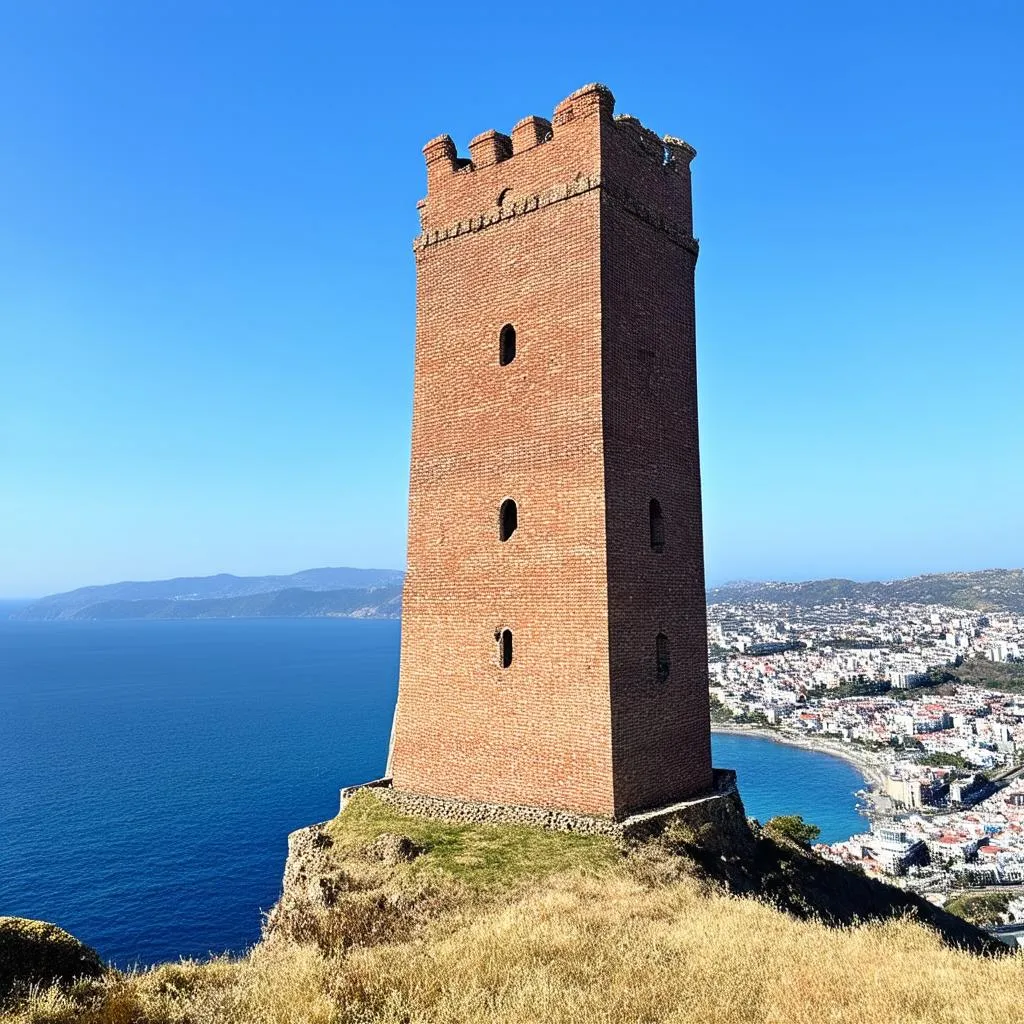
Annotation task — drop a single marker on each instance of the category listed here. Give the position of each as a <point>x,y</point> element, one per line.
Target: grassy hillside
<point>497,924</point>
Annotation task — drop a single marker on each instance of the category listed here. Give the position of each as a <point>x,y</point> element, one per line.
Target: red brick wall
<point>660,729</point>
<point>574,431</point>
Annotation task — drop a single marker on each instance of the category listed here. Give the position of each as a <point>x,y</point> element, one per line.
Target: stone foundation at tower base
<point>720,808</point>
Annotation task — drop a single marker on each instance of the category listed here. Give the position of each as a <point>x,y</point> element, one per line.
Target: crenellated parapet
<point>590,100</point>
<point>492,147</point>
<point>583,148</point>
<point>488,148</point>
<point>530,132</point>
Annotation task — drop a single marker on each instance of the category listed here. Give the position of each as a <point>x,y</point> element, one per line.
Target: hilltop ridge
<point>366,593</point>
<point>981,590</point>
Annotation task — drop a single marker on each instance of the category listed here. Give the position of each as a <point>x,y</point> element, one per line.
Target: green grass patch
<point>481,856</point>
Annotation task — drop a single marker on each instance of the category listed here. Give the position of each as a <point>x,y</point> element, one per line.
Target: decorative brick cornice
<point>529,204</point>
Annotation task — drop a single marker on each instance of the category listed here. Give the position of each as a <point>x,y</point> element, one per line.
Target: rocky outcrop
<point>392,849</point>
<point>37,953</point>
<point>338,898</point>
<point>310,876</point>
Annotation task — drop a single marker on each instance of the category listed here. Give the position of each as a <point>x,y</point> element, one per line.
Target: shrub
<point>37,953</point>
<point>793,827</point>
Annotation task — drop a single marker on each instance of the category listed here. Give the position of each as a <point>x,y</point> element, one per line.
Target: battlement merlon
<point>584,147</point>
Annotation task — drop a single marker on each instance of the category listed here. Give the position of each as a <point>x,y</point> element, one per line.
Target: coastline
<point>868,764</point>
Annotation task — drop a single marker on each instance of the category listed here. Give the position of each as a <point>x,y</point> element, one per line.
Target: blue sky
<point>207,290</point>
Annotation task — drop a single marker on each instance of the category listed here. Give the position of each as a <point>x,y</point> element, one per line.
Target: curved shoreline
<point>868,765</point>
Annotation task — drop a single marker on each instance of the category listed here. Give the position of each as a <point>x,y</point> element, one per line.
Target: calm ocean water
<point>150,772</point>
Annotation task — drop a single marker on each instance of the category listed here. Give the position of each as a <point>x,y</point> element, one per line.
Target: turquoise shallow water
<point>150,771</point>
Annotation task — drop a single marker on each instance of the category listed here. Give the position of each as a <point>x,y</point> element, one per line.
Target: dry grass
<point>613,950</point>
<point>580,938</point>
<point>282,983</point>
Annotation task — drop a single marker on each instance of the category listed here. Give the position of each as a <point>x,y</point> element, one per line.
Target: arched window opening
<point>662,658</point>
<point>508,519</point>
<point>506,345</point>
<point>505,647</point>
<point>657,526</point>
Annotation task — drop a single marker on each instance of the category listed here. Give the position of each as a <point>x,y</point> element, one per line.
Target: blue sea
<point>151,771</point>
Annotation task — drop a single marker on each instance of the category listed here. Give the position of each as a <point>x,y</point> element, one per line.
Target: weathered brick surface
<point>580,236</point>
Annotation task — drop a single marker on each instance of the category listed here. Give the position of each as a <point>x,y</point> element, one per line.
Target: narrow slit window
<point>664,665</point>
<point>508,519</point>
<point>506,345</point>
<point>505,647</point>
<point>657,526</point>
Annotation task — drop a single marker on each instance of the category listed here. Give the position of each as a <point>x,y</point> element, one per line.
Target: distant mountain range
<point>985,590</point>
<point>377,593</point>
<point>354,593</point>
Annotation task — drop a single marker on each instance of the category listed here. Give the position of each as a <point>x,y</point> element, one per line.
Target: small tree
<point>793,826</point>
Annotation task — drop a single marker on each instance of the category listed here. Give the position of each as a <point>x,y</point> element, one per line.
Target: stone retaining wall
<point>722,809</point>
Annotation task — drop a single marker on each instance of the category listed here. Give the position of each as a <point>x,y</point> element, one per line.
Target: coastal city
<point>926,700</point>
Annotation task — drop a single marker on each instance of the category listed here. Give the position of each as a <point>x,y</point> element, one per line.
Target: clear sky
<point>207,284</point>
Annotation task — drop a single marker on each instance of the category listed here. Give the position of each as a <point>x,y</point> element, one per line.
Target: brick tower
<point>554,648</point>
